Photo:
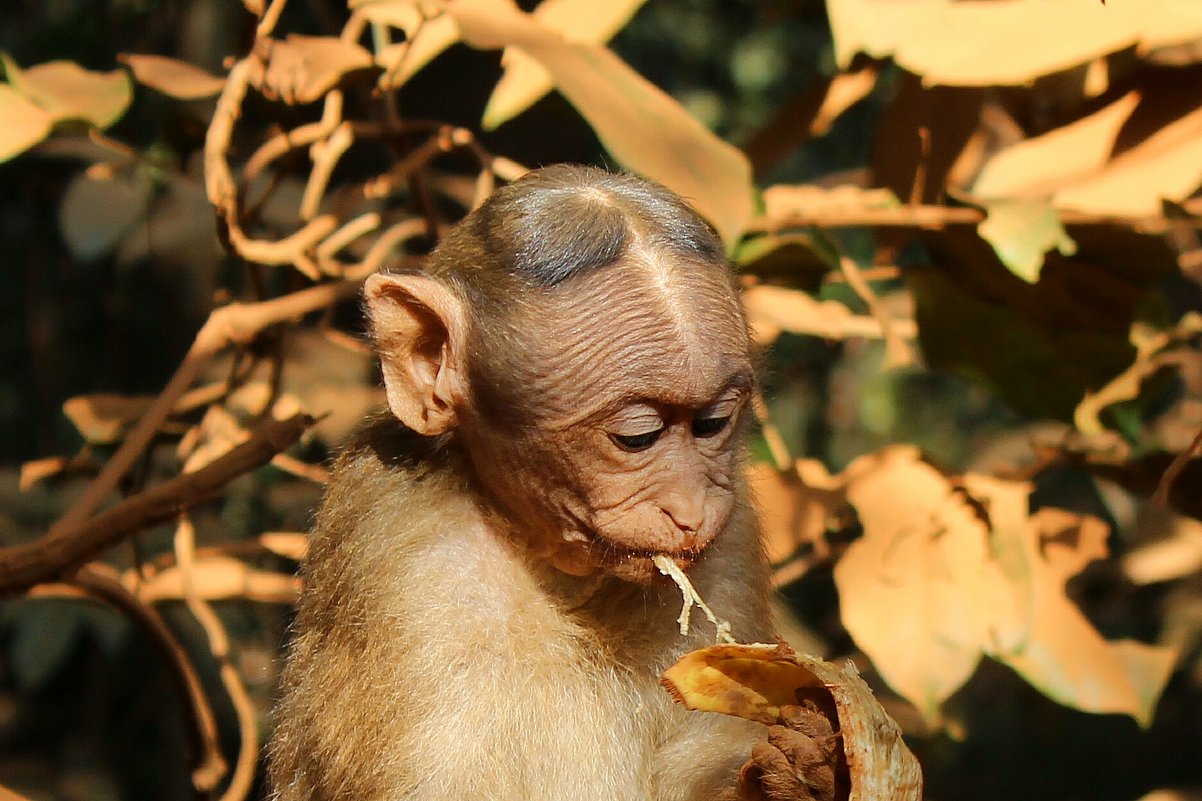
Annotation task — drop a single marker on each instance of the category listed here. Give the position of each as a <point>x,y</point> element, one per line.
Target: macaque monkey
<point>568,383</point>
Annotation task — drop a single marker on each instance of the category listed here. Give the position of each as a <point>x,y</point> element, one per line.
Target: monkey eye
<point>709,426</point>
<point>636,442</point>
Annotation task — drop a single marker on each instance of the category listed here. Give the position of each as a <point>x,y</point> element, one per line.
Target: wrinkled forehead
<point>669,332</point>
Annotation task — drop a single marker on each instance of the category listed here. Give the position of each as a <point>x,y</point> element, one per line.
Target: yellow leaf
<point>525,81</point>
<point>916,591</point>
<point>1036,167</point>
<point>1167,165</point>
<point>430,37</point>
<point>1008,42</point>
<point>22,124</point>
<point>845,90</point>
<point>773,309</point>
<point>644,128</point>
<point>172,77</point>
<point>67,91</point>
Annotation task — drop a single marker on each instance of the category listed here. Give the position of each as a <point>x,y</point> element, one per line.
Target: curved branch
<point>208,766</point>
<point>67,546</point>
<point>236,323</point>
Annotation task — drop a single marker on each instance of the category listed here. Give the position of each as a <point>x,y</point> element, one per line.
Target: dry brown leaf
<point>773,309</point>
<point>755,681</point>
<point>172,77</point>
<point>39,470</point>
<point>216,435</point>
<point>525,81</point>
<point>103,419</point>
<point>917,591</point>
<point>640,125</point>
<point>1038,166</point>
<point>847,89</point>
<point>25,123</point>
<point>1007,42</point>
<point>805,200</point>
<point>301,69</point>
<point>1178,555</point>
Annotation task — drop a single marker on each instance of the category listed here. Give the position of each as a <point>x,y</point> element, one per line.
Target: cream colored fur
<point>433,660</point>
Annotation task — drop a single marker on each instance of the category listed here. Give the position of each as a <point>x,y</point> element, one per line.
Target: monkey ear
<point>420,330</point>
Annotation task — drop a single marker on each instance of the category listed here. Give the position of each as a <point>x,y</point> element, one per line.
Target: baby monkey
<point>568,382</point>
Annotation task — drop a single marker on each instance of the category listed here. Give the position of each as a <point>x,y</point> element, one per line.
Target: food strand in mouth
<point>691,599</point>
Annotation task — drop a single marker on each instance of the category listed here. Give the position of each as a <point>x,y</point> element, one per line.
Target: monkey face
<point>636,448</point>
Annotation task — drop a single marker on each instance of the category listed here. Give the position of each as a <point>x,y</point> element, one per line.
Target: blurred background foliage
<point>108,282</point>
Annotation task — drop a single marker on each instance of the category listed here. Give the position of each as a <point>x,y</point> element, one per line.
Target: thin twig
<point>219,646</point>
<point>208,766</point>
<point>1165,487</point>
<point>237,323</point>
<point>935,217</point>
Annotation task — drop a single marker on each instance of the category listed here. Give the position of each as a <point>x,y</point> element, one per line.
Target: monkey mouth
<point>637,565</point>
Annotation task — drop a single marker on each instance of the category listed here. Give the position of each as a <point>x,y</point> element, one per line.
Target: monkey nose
<point>686,514</point>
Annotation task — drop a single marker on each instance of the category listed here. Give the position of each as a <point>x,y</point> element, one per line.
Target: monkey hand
<point>800,760</point>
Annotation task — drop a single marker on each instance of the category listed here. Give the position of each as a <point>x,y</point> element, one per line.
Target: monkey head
<point>581,339</point>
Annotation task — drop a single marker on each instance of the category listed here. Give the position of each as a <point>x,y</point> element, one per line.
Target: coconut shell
<point>755,681</point>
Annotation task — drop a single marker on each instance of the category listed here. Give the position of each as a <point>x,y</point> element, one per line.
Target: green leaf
<point>644,128</point>
<point>22,124</point>
<point>1021,231</point>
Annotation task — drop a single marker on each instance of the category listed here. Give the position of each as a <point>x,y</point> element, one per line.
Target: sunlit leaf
<point>1166,166</point>
<point>172,77</point>
<point>1068,661</point>
<point>67,91</point>
<point>22,123</point>
<point>1036,167</point>
<point>1177,555</point>
<point>103,419</point>
<point>1021,231</point>
<point>773,309</point>
<point>644,128</point>
<point>845,90</point>
<point>96,212</point>
<point>38,470</point>
<point>917,591</point>
<point>987,42</point>
<point>425,37</point>
<point>525,81</point>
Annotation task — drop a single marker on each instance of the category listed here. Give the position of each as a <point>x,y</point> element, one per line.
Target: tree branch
<point>66,546</point>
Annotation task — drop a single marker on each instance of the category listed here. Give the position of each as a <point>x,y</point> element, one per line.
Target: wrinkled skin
<point>637,409</point>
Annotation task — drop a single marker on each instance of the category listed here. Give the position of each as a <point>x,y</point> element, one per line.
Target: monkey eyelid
<point>636,442</point>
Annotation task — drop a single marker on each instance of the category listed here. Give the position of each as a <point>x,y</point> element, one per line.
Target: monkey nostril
<point>686,520</point>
